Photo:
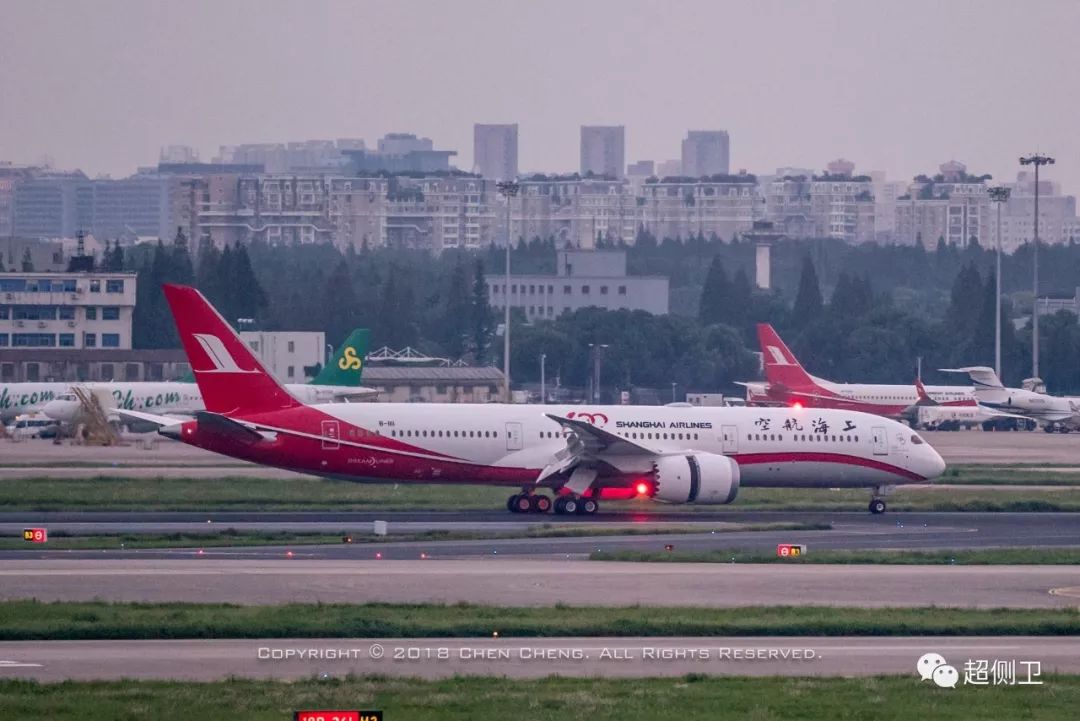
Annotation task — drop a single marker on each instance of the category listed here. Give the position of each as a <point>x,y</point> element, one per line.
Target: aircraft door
<point>514,438</point>
<point>331,436</point>
<point>881,441</point>
<point>730,438</point>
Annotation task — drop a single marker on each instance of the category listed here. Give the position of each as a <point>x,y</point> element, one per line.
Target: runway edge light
<point>790,550</point>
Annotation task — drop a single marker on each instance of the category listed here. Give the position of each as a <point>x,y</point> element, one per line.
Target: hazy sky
<point>102,84</point>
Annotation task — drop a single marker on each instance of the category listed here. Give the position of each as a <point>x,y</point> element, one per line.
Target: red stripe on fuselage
<point>819,457</point>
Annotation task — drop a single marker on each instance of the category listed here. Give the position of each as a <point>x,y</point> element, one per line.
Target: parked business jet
<point>1053,412</point>
<point>338,381</point>
<point>790,384</point>
<point>672,455</point>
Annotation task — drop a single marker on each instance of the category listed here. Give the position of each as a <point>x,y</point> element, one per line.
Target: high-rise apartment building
<point>706,152</point>
<point>495,151</point>
<point>603,150</point>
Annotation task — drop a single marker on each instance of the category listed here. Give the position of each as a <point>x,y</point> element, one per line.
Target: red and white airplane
<point>669,454</point>
<point>790,384</point>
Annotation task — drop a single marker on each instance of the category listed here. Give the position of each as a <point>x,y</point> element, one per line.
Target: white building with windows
<point>66,310</point>
<point>584,278</point>
<point>286,353</point>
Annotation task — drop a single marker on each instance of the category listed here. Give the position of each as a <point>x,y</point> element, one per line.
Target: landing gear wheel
<point>523,503</point>
<point>511,503</point>
<point>877,506</point>
<point>589,507</point>
<point>571,505</point>
<point>560,506</point>
<point>540,504</point>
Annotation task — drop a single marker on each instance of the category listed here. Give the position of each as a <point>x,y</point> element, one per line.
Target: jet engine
<point>696,478</point>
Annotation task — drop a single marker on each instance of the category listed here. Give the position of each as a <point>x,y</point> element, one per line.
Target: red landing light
<point>378,555</point>
<point>642,488</point>
<point>288,554</point>
<point>797,405</point>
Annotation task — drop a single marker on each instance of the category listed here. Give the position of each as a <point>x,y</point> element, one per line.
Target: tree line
<point>851,313</point>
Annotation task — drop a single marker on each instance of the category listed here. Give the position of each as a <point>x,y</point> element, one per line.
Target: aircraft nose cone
<point>57,410</point>
<point>936,465</point>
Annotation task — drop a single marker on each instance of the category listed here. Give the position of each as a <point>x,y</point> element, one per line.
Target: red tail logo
<point>782,368</point>
<point>230,377</point>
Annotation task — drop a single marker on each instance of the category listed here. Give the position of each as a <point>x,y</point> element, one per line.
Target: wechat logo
<point>932,666</point>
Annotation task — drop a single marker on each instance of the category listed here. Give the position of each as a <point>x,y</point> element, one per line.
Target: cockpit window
<point>916,440</point>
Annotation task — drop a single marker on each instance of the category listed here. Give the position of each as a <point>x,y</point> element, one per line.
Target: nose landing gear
<point>877,501</point>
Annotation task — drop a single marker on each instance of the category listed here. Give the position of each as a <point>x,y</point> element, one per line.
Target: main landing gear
<point>877,502</point>
<point>563,505</point>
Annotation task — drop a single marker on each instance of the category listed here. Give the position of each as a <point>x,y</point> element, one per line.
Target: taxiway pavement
<point>228,577</point>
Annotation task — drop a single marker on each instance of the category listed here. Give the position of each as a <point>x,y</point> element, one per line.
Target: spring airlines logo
<point>349,360</point>
<point>595,419</point>
<point>218,354</point>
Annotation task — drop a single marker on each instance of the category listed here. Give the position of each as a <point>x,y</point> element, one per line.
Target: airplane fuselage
<point>509,444</point>
<point>880,399</point>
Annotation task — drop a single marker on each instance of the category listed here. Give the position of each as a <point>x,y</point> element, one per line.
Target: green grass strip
<point>883,698</point>
<point>33,620</point>
<point>231,537</point>
<point>230,493</point>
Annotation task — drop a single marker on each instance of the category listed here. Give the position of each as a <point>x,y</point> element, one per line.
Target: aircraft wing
<point>159,421</point>
<point>583,446</point>
<point>596,440</point>
<point>997,413</point>
<point>353,395</point>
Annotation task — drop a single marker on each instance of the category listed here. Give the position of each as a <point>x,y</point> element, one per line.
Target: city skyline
<point>794,85</point>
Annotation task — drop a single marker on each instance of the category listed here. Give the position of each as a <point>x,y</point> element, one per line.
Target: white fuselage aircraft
<point>1054,412</point>
<point>20,398</point>
<point>674,455</point>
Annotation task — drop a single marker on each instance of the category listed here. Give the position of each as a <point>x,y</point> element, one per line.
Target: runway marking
<point>18,664</point>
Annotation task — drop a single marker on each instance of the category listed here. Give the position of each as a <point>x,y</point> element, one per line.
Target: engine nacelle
<point>696,478</point>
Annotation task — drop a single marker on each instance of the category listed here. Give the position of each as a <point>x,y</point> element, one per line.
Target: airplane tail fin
<point>781,366</point>
<point>924,397</point>
<point>346,368</point>
<point>982,376</point>
<point>230,377</point>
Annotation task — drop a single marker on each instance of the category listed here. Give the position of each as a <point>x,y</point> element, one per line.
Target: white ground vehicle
<point>33,425</point>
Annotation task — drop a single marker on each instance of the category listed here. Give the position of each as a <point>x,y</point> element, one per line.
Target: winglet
<point>230,377</point>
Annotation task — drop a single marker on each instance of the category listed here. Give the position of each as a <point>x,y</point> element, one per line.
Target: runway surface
<point>849,530</point>
<point>228,576</point>
<point>525,658</point>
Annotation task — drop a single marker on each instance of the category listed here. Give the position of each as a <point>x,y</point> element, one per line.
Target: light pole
<point>543,383</point>
<point>596,350</point>
<point>508,189</point>
<point>1038,161</point>
<point>998,195</point>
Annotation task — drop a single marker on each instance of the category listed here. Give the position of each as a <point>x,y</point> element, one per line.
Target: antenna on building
<point>80,262</point>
